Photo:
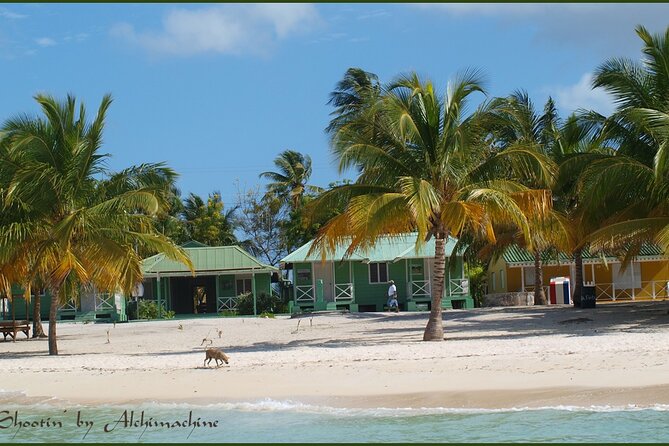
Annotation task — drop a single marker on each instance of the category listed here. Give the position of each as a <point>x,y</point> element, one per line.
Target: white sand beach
<point>493,358</point>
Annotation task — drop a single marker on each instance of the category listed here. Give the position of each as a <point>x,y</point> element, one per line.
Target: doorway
<point>323,271</point>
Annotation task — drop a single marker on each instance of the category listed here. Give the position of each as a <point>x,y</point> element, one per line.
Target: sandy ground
<point>492,358</point>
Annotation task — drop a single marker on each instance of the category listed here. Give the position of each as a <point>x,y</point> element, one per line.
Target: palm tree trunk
<point>539,293</point>
<point>38,330</point>
<point>434,331</point>
<point>53,347</point>
<point>578,276</point>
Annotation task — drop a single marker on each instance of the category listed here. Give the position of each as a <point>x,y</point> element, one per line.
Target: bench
<point>11,328</point>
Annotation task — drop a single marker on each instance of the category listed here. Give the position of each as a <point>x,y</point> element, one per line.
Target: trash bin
<point>588,297</point>
<point>559,291</point>
<point>131,310</point>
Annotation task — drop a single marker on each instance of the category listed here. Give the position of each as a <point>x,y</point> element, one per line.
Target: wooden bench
<point>11,328</point>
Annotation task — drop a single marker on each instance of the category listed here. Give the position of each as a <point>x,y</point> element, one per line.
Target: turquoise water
<point>286,421</point>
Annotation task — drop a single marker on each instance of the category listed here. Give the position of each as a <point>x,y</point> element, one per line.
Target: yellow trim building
<point>646,278</point>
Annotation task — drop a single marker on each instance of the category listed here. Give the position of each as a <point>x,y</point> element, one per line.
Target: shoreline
<point>507,358</point>
<point>566,398</point>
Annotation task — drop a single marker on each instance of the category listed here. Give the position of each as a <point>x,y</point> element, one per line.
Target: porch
<point>641,281</point>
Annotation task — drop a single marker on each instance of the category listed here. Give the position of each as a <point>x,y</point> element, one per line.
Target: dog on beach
<point>216,354</point>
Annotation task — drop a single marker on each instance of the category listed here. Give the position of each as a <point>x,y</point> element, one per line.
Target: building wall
<point>20,307</point>
<point>549,271</point>
<point>495,286</point>
<point>342,272</point>
<point>297,279</point>
<point>226,285</point>
<point>263,284</point>
<point>655,271</point>
<point>377,293</point>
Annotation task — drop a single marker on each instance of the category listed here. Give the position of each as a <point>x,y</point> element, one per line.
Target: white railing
<point>304,293</point>
<point>420,288</point>
<point>226,303</point>
<point>423,288</point>
<point>648,290</point>
<point>459,286</point>
<point>530,289</point>
<point>70,305</point>
<point>343,291</point>
<point>104,301</point>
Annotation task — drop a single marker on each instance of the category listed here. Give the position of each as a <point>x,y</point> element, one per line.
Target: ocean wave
<point>269,405</point>
<point>272,405</point>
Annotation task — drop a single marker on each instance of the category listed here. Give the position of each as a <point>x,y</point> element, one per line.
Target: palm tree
<point>290,182</point>
<point>639,129</point>
<point>424,166</point>
<point>351,97</point>
<point>208,222</point>
<point>80,230</point>
<point>516,123</point>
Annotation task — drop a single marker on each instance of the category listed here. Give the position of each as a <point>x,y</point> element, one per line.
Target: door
<point>323,271</point>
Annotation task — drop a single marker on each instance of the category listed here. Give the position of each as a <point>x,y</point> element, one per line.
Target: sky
<point>217,91</point>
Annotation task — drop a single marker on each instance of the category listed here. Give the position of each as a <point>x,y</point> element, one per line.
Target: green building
<point>91,306</point>
<point>221,274</point>
<point>359,282</point>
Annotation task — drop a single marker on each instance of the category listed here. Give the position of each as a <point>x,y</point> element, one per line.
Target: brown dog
<point>217,354</point>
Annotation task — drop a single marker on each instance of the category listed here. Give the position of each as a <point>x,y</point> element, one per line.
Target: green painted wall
<point>298,280</point>
<point>342,272</point>
<point>226,285</point>
<point>20,302</point>
<point>262,284</point>
<point>377,293</point>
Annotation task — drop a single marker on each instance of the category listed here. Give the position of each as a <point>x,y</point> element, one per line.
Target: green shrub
<point>477,283</point>
<point>267,315</point>
<point>265,303</point>
<point>226,313</point>
<point>148,309</point>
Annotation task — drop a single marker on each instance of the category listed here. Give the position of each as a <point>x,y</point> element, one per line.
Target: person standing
<point>392,297</point>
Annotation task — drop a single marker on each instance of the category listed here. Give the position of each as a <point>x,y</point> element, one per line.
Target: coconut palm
<point>352,96</point>
<point>516,123</point>
<point>290,182</point>
<point>424,166</point>
<point>80,230</point>
<point>208,222</point>
<point>639,129</point>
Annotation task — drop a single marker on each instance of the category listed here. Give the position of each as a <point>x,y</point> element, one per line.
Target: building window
<point>378,272</point>
<point>501,279</point>
<point>529,276</point>
<point>243,286</point>
<point>493,285</point>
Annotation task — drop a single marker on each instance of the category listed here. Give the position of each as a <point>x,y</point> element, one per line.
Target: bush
<point>264,304</point>
<point>267,315</point>
<point>477,283</point>
<point>148,309</point>
<point>226,313</point>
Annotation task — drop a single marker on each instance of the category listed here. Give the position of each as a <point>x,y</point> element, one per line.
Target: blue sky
<point>217,91</point>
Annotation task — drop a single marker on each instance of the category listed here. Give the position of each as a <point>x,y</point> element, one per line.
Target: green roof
<point>517,255</point>
<point>390,248</point>
<point>207,260</point>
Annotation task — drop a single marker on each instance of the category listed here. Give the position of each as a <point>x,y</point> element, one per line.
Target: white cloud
<point>375,14</point>
<point>581,95</point>
<point>80,37</point>
<point>6,13</point>
<point>225,29</point>
<point>608,28</point>
<point>45,41</point>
